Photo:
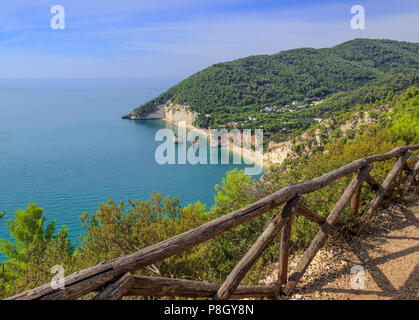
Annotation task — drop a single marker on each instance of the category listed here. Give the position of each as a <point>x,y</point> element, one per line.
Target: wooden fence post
<point>321,236</point>
<point>398,182</point>
<point>284,251</point>
<point>355,201</point>
<point>271,230</point>
<point>409,180</point>
<point>375,186</point>
<point>386,184</point>
<point>311,215</point>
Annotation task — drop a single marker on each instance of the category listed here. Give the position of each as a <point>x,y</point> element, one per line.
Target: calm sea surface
<point>64,146</point>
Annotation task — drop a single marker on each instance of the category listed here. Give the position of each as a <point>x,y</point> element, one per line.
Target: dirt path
<point>388,252</point>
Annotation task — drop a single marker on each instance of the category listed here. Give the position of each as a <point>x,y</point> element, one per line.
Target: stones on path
<point>393,231</point>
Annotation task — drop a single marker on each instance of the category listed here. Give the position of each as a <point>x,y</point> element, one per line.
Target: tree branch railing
<point>115,279</point>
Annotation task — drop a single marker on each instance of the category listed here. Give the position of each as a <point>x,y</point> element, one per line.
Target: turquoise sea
<point>64,146</point>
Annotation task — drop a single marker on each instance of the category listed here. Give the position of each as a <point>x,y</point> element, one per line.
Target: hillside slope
<point>393,104</point>
<point>237,91</point>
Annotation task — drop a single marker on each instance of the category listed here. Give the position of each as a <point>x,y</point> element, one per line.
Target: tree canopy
<point>239,90</point>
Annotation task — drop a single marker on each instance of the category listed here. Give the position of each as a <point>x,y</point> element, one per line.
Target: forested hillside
<point>342,103</point>
<point>258,91</point>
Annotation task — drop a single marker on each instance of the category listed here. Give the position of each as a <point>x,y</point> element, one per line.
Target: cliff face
<point>176,113</point>
<point>169,111</point>
<point>277,152</point>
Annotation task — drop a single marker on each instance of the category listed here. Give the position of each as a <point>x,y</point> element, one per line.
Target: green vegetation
<point>374,92</point>
<point>33,252</point>
<point>405,123</point>
<point>114,231</point>
<point>373,101</point>
<point>240,90</point>
<point>374,79</point>
<point>343,104</point>
<point>117,229</point>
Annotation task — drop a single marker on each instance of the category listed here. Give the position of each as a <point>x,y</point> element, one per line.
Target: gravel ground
<point>388,251</point>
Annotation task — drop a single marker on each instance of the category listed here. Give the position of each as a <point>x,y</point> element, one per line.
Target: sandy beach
<point>245,153</point>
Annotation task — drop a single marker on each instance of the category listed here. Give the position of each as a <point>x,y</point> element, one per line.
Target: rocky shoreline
<point>181,115</point>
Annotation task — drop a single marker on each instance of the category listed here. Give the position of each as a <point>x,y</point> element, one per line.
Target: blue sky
<point>175,38</point>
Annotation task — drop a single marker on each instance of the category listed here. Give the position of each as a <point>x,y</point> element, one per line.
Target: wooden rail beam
<point>166,287</point>
<point>270,232</point>
<point>116,290</point>
<point>386,184</point>
<point>85,281</point>
<point>375,186</point>
<point>75,284</point>
<point>310,214</point>
<point>321,236</point>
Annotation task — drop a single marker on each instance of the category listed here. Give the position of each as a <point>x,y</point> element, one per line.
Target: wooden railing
<point>114,279</point>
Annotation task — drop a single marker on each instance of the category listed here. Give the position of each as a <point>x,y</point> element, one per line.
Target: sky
<point>173,39</point>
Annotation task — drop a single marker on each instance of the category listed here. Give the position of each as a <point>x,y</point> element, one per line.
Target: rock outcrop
<point>169,111</point>
<point>159,113</point>
<point>179,113</point>
<point>276,152</point>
